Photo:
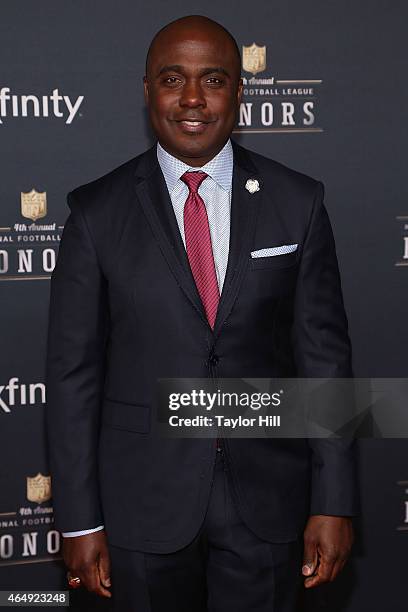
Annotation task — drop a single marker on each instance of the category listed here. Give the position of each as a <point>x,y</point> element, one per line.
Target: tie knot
<point>193,180</point>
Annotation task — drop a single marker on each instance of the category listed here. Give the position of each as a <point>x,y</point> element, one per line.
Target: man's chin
<point>193,147</point>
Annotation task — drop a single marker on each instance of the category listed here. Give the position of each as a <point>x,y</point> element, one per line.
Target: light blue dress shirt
<point>216,191</point>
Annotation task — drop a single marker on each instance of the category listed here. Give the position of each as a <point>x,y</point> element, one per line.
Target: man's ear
<point>240,90</point>
<point>146,89</point>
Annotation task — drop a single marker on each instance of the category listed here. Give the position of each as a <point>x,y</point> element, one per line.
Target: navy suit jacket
<point>124,311</point>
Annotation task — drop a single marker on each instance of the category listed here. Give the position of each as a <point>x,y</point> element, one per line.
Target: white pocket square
<point>279,250</point>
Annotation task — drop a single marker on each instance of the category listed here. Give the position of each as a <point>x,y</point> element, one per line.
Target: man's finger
<point>324,571</point>
<point>338,566</point>
<point>104,569</point>
<point>310,558</point>
<point>92,582</point>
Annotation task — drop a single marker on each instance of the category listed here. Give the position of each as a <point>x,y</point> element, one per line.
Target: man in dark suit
<point>196,259</point>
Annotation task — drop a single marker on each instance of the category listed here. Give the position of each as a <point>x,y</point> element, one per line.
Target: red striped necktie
<point>198,245</point>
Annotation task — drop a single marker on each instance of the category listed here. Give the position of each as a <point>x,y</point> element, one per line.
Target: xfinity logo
<point>12,105</point>
<point>14,393</point>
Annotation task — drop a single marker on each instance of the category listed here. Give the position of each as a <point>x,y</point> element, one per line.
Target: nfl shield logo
<point>39,488</point>
<point>34,204</point>
<point>254,58</point>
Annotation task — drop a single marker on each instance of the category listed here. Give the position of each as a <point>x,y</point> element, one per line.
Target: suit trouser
<point>226,568</point>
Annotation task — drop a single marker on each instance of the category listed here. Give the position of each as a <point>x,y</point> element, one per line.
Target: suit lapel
<point>153,195</point>
<point>244,211</point>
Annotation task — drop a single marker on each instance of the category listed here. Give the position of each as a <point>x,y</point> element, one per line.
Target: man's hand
<point>327,544</point>
<point>87,558</point>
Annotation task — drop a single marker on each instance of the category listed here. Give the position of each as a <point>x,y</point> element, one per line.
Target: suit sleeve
<point>77,337</point>
<point>322,350</point>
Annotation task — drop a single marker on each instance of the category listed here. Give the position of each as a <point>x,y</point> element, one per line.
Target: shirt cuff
<point>75,534</point>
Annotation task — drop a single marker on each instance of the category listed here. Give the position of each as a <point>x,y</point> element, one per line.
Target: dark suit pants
<point>225,569</point>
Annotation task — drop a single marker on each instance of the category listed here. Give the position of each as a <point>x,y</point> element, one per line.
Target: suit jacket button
<point>214,359</point>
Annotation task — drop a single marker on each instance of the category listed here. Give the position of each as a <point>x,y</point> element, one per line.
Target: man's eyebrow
<point>171,68</point>
<point>204,71</point>
<point>218,69</point>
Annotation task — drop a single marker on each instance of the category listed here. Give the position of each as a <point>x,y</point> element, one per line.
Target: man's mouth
<point>190,122</point>
<point>193,126</point>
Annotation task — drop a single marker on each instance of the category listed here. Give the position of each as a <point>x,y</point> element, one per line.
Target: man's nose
<point>192,95</point>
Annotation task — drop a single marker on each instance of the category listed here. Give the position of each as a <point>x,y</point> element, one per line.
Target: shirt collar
<point>219,167</point>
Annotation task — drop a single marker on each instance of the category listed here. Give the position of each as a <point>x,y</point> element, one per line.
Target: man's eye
<point>214,81</point>
<point>171,80</point>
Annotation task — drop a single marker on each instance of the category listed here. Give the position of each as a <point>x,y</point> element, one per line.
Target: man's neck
<point>193,162</point>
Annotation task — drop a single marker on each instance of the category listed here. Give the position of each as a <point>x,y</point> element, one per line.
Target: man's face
<point>192,91</point>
